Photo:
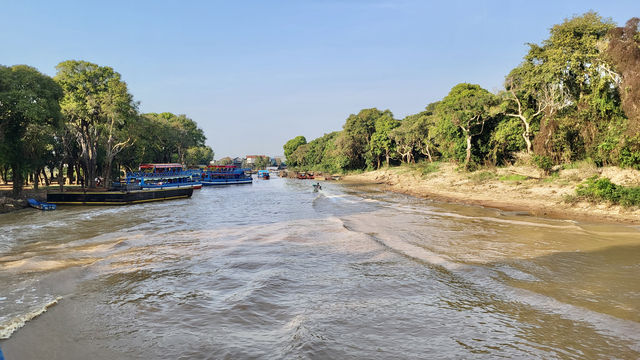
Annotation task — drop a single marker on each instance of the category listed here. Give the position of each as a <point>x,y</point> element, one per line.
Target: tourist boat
<point>224,175</point>
<point>161,176</point>
<point>263,174</point>
<point>121,195</point>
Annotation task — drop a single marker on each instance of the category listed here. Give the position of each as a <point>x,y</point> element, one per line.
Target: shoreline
<point>530,192</point>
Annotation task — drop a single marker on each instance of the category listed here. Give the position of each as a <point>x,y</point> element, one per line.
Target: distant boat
<point>162,176</point>
<point>304,176</point>
<point>41,205</point>
<point>224,175</point>
<point>263,174</point>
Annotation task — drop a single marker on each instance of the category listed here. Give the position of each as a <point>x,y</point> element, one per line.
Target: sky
<point>254,74</point>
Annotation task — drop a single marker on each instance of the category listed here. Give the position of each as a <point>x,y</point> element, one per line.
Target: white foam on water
<point>9,326</point>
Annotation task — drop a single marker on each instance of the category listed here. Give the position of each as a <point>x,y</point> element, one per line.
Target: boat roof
<point>160,166</point>
<point>222,166</point>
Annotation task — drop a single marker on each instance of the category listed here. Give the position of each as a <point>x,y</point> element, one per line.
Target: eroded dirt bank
<point>515,188</point>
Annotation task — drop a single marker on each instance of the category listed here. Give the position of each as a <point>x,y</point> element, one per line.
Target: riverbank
<point>8,203</point>
<point>513,188</point>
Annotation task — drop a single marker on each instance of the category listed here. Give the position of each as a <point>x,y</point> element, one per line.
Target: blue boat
<point>163,176</point>
<point>263,174</point>
<point>224,175</point>
<point>41,205</point>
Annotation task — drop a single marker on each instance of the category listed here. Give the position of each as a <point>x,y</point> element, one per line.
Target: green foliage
<point>543,162</point>
<point>630,153</point>
<point>506,139</point>
<point>292,145</point>
<point>355,140</point>
<point>469,107</point>
<point>198,155</point>
<point>513,177</point>
<point>602,189</point>
<point>29,114</point>
<point>97,106</point>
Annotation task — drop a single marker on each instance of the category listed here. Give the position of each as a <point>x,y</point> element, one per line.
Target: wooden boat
<point>263,174</point>
<point>304,176</point>
<point>125,196</point>
<point>41,205</point>
<point>161,176</point>
<point>224,175</point>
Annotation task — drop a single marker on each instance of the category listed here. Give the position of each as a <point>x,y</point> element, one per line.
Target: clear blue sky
<point>254,74</point>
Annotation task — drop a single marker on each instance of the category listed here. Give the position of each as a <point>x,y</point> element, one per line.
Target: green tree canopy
<point>28,102</point>
<point>291,145</point>
<point>96,104</point>
<point>468,106</point>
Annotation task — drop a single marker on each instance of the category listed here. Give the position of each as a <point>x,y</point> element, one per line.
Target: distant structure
<point>251,159</point>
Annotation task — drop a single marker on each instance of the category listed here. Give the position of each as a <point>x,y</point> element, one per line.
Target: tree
<point>28,100</point>
<point>468,106</point>
<point>577,88</point>
<point>381,143</point>
<point>292,145</point>
<point>623,52</point>
<point>526,99</point>
<point>198,155</point>
<point>261,162</point>
<point>355,138</point>
<point>96,101</point>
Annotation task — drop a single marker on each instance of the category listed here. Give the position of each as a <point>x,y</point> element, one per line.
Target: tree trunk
<point>61,176</point>
<point>46,179</point>
<point>17,179</point>
<point>527,137</point>
<point>468,158</point>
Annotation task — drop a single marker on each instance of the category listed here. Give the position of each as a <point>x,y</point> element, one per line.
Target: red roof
<point>160,166</point>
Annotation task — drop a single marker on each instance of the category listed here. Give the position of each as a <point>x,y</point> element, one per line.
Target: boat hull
<point>226,182</point>
<point>118,197</point>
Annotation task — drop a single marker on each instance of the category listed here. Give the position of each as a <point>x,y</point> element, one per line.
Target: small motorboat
<point>41,205</point>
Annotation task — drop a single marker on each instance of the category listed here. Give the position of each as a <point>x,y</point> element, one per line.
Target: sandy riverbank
<point>514,188</point>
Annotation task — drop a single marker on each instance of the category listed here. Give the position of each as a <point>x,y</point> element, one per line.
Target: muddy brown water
<point>275,271</point>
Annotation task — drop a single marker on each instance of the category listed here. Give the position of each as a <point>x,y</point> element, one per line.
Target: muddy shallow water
<point>274,270</point>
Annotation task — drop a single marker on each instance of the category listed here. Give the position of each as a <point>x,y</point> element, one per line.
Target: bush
<point>543,162</point>
<point>595,189</point>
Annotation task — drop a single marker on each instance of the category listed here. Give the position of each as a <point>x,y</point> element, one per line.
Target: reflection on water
<point>274,270</point>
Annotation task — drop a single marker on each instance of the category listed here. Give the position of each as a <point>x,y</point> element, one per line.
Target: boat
<point>304,176</point>
<point>124,195</point>
<point>41,205</point>
<point>161,176</point>
<point>224,175</point>
<point>263,174</point>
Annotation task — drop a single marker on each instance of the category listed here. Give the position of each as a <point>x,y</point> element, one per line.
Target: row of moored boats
<point>156,182</point>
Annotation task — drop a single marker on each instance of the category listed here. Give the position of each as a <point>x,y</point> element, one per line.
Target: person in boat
<point>317,187</point>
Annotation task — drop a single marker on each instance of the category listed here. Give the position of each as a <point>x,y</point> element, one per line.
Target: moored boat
<point>41,205</point>
<point>126,196</point>
<point>224,175</point>
<point>161,176</point>
<point>263,174</point>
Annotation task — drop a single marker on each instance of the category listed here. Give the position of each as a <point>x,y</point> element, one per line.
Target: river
<point>273,270</point>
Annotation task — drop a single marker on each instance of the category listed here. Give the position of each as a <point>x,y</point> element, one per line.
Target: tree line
<point>83,124</point>
<point>575,96</point>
